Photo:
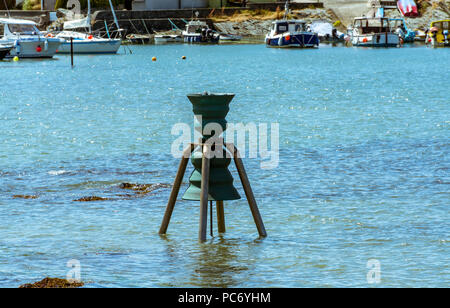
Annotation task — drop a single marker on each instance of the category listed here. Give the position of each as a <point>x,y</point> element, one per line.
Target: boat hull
<point>198,39</point>
<point>4,51</point>
<point>24,48</point>
<point>168,39</point>
<point>301,40</point>
<point>377,40</point>
<point>91,46</point>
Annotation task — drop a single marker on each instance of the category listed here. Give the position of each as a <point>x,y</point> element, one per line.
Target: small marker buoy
<point>16,58</point>
<point>183,57</point>
<point>154,59</point>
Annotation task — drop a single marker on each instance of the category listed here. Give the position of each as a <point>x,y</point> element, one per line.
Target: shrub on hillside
<point>31,5</point>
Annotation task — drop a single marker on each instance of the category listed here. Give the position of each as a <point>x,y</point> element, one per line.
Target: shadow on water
<point>214,264</point>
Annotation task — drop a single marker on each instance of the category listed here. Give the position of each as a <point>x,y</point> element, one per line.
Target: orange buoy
<point>288,37</point>
<point>365,40</point>
<point>90,37</point>
<point>39,49</point>
<point>154,59</point>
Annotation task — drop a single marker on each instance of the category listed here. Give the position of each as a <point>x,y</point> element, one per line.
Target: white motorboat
<point>27,40</point>
<point>373,32</point>
<point>168,38</point>
<point>86,43</point>
<point>229,37</point>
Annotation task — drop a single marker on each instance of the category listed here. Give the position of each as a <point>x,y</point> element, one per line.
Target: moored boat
<point>198,32</point>
<point>400,27</point>
<point>439,33</point>
<point>373,32</point>
<point>86,43</point>
<point>27,40</point>
<point>229,37</point>
<point>168,38</point>
<point>291,34</point>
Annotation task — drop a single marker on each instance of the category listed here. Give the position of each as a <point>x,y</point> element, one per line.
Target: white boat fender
<point>17,46</point>
<point>46,45</point>
<point>280,41</point>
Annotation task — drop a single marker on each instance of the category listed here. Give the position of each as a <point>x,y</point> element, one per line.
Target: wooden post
<point>248,190</point>
<point>220,217</point>
<point>204,194</point>
<point>71,51</point>
<point>176,188</point>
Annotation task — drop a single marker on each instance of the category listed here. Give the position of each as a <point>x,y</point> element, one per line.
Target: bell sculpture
<point>211,180</point>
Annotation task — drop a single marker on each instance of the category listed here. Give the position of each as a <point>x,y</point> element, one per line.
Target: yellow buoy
<point>154,59</point>
<point>16,58</point>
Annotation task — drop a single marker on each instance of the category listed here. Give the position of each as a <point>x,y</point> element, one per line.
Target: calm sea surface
<point>364,168</point>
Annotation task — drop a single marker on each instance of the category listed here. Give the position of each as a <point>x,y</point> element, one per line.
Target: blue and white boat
<point>399,26</point>
<point>291,34</point>
<point>198,32</point>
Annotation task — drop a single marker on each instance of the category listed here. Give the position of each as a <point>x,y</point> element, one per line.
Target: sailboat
<point>87,43</point>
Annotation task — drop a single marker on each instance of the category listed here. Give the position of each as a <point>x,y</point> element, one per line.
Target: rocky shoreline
<point>258,27</point>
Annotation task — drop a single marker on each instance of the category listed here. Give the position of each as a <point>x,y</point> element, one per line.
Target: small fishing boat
<point>4,50</point>
<point>229,37</point>
<point>373,32</point>
<point>198,32</point>
<point>399,26</point>
<point>140,39</point>
<point>26,39</point>
<point>291,33</point>
<point>439,33</point>
<point>168,38</point>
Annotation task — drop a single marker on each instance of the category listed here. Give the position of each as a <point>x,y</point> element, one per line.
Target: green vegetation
<point>29,5</point>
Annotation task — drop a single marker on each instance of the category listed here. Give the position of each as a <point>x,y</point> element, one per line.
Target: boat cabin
<point>283,26</point>
<point>195,26</point>
<point>398,23</point>
<point>442,25</point>
<point>14,27</point>
<point>372,25</point>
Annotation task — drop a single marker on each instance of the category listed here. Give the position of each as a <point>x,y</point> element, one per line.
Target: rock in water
<point>52,283</point>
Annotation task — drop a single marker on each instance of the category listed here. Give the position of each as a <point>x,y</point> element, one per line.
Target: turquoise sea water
<point>364,168</point>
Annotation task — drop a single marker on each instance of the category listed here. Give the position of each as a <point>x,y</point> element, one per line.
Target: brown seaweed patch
<point>143,189</point>
<point>91,199</point>
<point>25,197</point>
<point>52,283</point>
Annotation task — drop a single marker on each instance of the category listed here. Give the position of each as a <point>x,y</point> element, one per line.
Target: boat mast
<point>7,9</point>
<point>89,16</point>
<point>114,15</point>
<point>286,9</point>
